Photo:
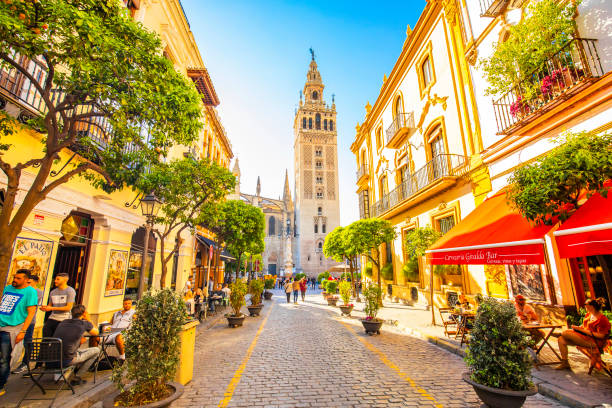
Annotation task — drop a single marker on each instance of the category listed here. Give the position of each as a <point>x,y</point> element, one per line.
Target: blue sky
<point>257,55</point>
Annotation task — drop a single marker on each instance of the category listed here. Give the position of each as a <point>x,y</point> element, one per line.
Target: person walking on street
<point>288,288</point>
<point>296,290</point>
<point>303,286</point>
<point>33,281</point>
<point>61,300</point>
<point>17,309</point>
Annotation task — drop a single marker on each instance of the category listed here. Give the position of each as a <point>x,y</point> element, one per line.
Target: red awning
<point>588,231</point>
<point>493,233</point>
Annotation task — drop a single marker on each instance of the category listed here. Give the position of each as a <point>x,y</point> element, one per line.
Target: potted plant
<point>256,287</point>
<point>331,288</point>
<point>322,277</point>
<point>371,323</point>
<point>345,294</point>
<point>268,284</point>
<point>324,287</point>
<point>153,346</point>
<point>497,356</point>
<point>237,294</point>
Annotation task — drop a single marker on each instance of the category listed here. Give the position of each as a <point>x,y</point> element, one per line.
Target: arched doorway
<point>73,251</point>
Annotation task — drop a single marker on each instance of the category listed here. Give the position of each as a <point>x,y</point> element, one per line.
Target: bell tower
<point>317,208</point>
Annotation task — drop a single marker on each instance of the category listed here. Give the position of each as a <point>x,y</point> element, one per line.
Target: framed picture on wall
<point>32,254</point>
<point>116,274</point>
<point>527,280</point>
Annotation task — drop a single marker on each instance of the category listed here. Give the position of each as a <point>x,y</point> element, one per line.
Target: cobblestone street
<point>306,355</point>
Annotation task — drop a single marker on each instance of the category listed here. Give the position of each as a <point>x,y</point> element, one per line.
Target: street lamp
<point>150,206</point>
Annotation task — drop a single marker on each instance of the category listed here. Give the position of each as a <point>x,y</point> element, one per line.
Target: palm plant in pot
<point>153,347</point>
<point>497,356</point>
<point>345,293</point>
<point>371,323</point>
<point>256,287</point>
<point>331,287</point>
<point>268,284</point>
<point>237,294</point>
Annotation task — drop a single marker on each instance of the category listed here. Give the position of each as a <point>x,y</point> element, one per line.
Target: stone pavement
<point>306,355</point>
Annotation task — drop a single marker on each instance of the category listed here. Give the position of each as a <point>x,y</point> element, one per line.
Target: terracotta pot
<point>109,401</point>
<point>235,321</point>
<point>331,301</point>
<point>346,310</point>
<point>255,310</point>
<point>372,326</point>
<point>324,294</point>
<point>497,397</point>
<point>268,295</point>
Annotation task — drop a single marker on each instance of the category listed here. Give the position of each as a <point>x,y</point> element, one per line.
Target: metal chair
<point>594,354</point>
<point>448,320</point>
<point>47,352</point>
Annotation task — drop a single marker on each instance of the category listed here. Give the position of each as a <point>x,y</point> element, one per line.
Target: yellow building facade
<point>97,237</point>
<point>433,147</point>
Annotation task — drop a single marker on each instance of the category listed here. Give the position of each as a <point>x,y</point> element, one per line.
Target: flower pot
<point>346,309</point>
<point>255,310</point>
<point>109,401</point>
<point>372,326</point>
<point>324,294</point>
<point>235,321</point>
<point>497,397</point>
<point>331,300</point>
<point>268,295</point>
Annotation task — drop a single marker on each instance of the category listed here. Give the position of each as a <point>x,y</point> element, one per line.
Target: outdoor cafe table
<point>103,345</point>
<point>551,328</point>
<point>462,319</point>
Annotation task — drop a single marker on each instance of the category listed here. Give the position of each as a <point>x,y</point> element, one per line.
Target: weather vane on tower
<point>312,53</point>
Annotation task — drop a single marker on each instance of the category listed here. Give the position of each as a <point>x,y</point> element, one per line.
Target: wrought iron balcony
<point>362,171</point>
<point>444,167</point>
<point>565,73</point>
<point>492,8</point>
<point>401,128</point>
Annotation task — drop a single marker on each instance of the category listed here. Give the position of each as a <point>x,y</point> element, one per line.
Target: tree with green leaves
<point>185,187</point>
<point>416,243</point>
<point>339,248</point>
<point>548,25</point>
<point>103,90</point>
<point>238,226</point>
<point>547,190</point>
<point>366,236</point>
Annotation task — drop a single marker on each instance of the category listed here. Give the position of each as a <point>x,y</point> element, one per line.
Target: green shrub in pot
<point>256,288</point>
<point>345,292</point>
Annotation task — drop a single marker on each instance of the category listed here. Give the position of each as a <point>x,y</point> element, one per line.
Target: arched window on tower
<point>304,123</point>
<point>315,95</point>
<point>325,124</point>
<point>331,125</point>
<point>320,211</point>
<point>271,226</point>
<point>318,121</point>
<point>316,227</point>
<point>309,123</point>
<point>323,228</point>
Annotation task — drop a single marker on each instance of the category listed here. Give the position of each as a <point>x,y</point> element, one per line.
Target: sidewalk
<point>567,387</point>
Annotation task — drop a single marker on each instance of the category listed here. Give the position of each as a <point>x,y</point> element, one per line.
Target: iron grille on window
<point>445,224</point>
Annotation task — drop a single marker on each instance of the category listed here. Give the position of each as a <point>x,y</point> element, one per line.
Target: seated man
<point>226,290</point>
<point>71,332</point>
<point>526,315</point>
<point>122,320</point>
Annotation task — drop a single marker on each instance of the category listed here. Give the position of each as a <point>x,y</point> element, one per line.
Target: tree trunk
<point>6,247</point>
<point>238,267</point>
<point>164,262</point>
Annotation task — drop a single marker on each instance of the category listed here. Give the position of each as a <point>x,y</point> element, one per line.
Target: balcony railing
<point>492,8</point>
<point>403,123</point>
<point>566,72</point>
<point>443,165</point>
<point>362,171</point>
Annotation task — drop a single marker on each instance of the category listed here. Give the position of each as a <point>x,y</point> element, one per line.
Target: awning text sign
<point>510,255</point>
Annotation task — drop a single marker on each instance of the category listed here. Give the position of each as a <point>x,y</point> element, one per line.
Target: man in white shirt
<point>121,321</point>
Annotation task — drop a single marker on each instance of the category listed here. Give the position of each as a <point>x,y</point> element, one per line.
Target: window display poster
<point>117,270</point>
<point>527,281</point>
<point>32,254</point>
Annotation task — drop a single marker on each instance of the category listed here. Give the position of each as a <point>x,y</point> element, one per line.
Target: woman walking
<point>303,285</point>
<point>288,288</point>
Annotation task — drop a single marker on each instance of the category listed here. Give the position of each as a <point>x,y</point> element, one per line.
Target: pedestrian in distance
<point>17,309</point>
<point>296,291</point>
<point>288,289</point>
<point>61,300</point>
<point>303,286</point>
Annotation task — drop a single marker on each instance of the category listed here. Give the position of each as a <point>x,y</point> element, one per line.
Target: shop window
<point>526,280</point>
<point>445,224</point>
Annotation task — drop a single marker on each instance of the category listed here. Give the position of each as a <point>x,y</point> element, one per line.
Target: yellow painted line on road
<point>393,366</point>
<point>229,391</point>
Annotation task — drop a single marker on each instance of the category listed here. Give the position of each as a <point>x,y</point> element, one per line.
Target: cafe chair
<point>594,354</point>
<point>47,352</point>
<point>448,320</point>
